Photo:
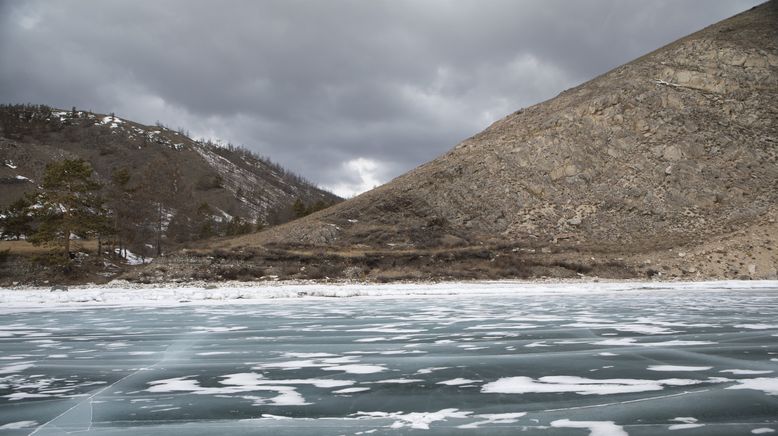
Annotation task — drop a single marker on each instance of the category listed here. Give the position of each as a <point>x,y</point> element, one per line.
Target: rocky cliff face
<point>677,150</point>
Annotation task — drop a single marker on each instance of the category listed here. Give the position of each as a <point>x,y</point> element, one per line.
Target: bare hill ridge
<point>677,150</point>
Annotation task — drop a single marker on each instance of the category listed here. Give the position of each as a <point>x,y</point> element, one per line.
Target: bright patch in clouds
<point>365,174</point>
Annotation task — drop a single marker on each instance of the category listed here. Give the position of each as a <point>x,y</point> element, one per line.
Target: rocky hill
<point>180,173</point>
<point>665,166</point>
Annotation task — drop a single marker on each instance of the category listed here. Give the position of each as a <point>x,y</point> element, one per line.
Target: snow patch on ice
<point>18,425</point>
<point>415,420</point>
<point>687,422</point>
<point>629,342</point>
<point>537,344</point>
<point>501,326</point>
<point>308,355</point>
<point>580,385</point>
<point>757,326</point>
<point>17,367</point>
<point>645,329</point>
<point>350,390</point>
<point>458,381</point>
<point>432,369</point>
<point>378,339</point>
<point>394,352</point>
<point>596,428</point>
<point>494,418</point>
<point>356,368</point>
<point>684,426</point>
<point>746,371</point>
<point>387,329</point>
<point>673,368</point>
<point>24,395</point>
<point>765,384</point>
<point>399,381</point>
<point>218,329</point>
<point>630,328</point>
<point>348,364</point>
<point>246,382</point>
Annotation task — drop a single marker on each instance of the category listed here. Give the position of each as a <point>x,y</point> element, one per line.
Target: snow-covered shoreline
<point>127,294</point>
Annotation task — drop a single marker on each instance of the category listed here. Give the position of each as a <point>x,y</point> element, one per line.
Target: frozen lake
<point>599,359</point>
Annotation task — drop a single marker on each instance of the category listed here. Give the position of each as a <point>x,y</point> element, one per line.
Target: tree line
<point>121,216</point>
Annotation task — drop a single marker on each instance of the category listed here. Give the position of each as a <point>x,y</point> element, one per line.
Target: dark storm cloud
<point>347,93</point>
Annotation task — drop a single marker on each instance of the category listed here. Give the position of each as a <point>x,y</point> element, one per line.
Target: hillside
<point>180,173</point>
<point>667,165</point>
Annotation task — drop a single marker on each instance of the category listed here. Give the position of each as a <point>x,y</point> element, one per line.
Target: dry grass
<point>25,248</point>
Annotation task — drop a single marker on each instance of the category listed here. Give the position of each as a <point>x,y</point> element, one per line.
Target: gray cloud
<point>348,93</point>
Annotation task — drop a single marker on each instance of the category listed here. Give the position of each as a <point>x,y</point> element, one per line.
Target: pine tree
<point>160,186</point>
<point>238,226</point>
<point>205,221</point>
<point>16,220</point>
<point>69,205</point>
<point>124,207</point>
<point>299,208</point>
<point>319,205</point>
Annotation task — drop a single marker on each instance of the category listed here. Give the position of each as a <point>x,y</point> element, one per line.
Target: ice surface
<point>638,359</point>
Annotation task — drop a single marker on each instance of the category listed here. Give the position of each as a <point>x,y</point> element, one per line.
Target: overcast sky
<point>347,93</point>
